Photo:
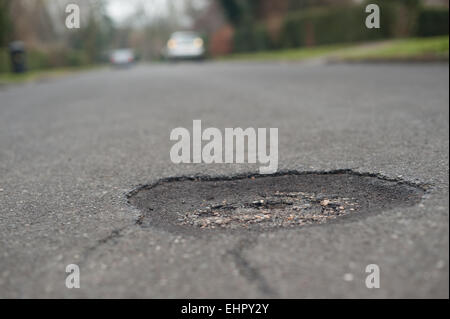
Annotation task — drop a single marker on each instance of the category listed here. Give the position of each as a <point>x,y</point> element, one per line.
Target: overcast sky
<point>119,10</point>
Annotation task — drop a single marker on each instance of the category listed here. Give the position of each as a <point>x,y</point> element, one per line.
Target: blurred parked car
<point>185,45</point>
<point>122,57</point>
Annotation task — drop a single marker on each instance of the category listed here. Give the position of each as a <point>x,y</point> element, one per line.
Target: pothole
<point>263,203</point>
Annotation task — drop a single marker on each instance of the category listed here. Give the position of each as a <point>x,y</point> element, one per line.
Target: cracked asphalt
<point>72,148</point>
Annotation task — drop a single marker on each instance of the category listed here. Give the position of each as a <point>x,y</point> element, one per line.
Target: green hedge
<point>330,25</point>
<point>251,38</point>
<point>40,60</point>
<point>4,61</point>
<point>336,25</point>
<point>432,21</point>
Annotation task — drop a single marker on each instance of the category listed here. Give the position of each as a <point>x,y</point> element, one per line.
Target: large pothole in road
<point>261,203</point>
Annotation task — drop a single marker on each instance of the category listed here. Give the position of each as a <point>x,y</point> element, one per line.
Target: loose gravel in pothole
<point>280,209</point>
<point>265,202</point>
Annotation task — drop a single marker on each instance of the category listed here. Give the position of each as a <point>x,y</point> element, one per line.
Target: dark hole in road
<point>263,202</point>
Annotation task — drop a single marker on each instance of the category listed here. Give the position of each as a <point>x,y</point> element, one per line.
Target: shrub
<point>344,24</point>
<point>334,25</point>
<point>77,58</point>
<point>432,21</point>
<point>251,38</point>
<point>4,60</point>
<point>52,58</point>
<point>37,60</point>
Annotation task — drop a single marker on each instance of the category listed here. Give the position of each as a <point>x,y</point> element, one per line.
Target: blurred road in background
<point>72,148</point>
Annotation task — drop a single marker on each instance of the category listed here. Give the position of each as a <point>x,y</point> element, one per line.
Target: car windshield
<point>184,36</point>
<point>122,54</point>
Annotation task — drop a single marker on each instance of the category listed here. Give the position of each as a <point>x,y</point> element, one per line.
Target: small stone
<point>440,264</point>
<point>348,277</point>
<point>325,202</point>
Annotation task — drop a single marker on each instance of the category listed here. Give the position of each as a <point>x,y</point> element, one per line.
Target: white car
<point>185,45</point>
<point>122,57</point>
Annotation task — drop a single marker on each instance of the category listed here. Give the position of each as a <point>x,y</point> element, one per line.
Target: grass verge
<point>412,49</point>
<point>37,75</point>
<point>288,54</point>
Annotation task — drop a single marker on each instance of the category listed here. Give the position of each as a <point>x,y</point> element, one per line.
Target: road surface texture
<point>72,148</point>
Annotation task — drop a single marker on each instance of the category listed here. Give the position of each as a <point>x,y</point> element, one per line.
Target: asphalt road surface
<point>72,148</point>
